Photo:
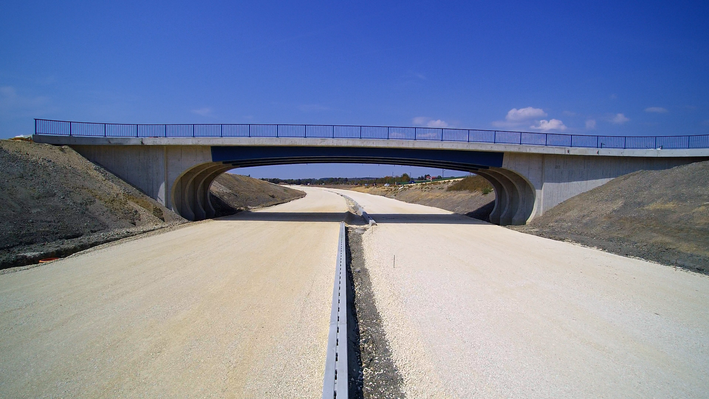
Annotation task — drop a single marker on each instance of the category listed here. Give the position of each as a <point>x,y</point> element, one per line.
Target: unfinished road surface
<point>472,309</point>
<point>236,307</point>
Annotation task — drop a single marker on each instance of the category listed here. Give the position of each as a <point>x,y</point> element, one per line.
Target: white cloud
<point>420,120</point>
<point>591,124</point>
<point>658,110</point>
<point>524,114</point>
<point>437,123</point>
<point>619,119</point>
<point>552,124</point>
<point>206,111</point>
<point>428,122</point>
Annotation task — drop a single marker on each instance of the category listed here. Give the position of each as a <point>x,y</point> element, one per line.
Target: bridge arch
<point>514,194</point>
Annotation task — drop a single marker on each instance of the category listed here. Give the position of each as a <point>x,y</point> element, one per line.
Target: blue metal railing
<point>92,129</point>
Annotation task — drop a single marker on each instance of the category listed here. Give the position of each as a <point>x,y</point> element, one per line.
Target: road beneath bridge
<point>240,307</point>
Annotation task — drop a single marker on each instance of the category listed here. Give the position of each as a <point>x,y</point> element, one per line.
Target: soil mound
<point>55,202</point>
<point>231,193</point>
<point>661,216</point>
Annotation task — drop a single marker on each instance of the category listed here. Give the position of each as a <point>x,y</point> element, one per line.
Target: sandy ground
<point>476,310</point>
<point>235,307</point>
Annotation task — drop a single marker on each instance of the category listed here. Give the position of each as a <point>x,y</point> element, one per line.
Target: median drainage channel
<point>363,367</point>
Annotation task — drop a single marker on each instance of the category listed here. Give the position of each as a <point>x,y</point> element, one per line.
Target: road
<point>476,310</point>
<point>237,307</point>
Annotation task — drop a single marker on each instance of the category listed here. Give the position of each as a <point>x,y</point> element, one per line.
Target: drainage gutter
<point>335,382</point>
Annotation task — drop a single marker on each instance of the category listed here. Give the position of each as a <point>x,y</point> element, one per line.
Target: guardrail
<point>93,129</point>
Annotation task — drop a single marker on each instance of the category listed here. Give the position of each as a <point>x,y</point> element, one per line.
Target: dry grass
<point>473,184</point>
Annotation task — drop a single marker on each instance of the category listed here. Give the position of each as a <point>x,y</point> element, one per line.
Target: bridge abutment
<point>528,180</point>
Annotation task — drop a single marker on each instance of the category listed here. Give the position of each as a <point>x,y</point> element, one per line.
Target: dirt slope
<point>53,199</point>
<point>232,193</point>
<point>657,215</point>
<point>460,196</point>
<point>55,202</point>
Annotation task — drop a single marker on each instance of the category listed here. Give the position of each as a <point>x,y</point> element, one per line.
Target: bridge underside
<point>514,195</point>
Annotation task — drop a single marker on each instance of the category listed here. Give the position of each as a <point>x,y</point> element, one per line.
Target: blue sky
<point>611,68</point>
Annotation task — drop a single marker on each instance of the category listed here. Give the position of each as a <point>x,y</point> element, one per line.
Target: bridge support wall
<point>527,184</point>
<point>555,178</point>
<point>165,173</point>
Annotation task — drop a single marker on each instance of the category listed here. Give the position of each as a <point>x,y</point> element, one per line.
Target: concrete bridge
<point>530,172</point>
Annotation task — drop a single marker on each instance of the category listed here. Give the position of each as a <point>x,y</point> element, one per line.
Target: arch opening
<point>514,195</point>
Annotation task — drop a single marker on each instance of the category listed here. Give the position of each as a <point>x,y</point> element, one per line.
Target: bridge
<point>531,172</point>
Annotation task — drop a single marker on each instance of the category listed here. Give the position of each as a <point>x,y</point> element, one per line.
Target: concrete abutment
<point>528,180</point>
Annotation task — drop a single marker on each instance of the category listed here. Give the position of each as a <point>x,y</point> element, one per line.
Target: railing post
<point>546,139</point>
<point>360,132</point>
<point>192,130</point>
<point>520,138</point>
<point>221,130</point>
<point>625,141</point>
<point>276,131</point>
<point>655,142</point>
<point>596,141</point>
<point>35,125</point>
<point>387,132</point>
<point>136,130</point>
<point>249,130</point>
<point>442,134</point>
<point>69,129</point>
<point>104,130</point>
<point>468,135</point>
<point>333,131</point>
<point>494,136</point>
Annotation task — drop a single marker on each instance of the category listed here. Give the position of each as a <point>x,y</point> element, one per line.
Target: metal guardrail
<point>93,129</point>
<point>336,379</point>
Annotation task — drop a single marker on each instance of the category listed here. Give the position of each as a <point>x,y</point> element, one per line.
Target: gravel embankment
<point>55,202</point>
<point>662,216</point>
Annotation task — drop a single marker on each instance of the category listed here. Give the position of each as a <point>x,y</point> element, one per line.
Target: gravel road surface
<point>235,307</point>
<point>476,310</point>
